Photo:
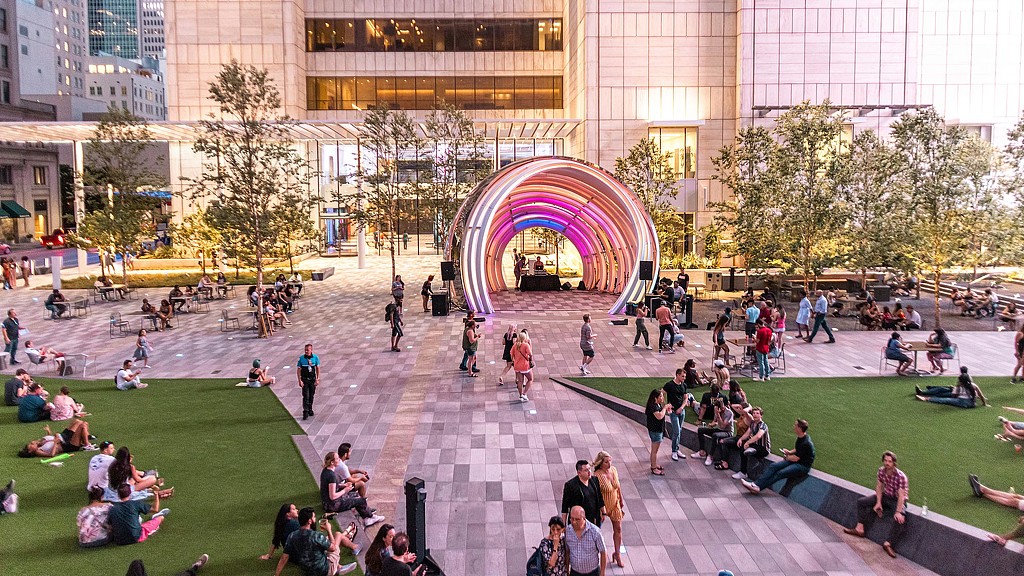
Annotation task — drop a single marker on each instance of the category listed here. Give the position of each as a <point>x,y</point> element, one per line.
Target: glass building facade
<point>433,35</point>
<point>114,28</point>
<point>426,92</point>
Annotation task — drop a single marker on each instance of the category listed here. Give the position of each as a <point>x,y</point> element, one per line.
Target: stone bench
<point>323,274</point>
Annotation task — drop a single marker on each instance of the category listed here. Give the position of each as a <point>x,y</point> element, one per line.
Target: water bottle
<point>924,507</point>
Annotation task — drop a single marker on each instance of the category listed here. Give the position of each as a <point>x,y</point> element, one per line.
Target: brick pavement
<point>494,467</point>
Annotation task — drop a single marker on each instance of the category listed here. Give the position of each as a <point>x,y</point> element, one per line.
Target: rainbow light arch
<point>602,218</point>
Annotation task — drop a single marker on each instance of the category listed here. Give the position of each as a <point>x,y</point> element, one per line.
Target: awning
<point>11,209</point>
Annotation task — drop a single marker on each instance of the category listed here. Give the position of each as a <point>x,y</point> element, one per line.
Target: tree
<point>554,240</point>
<point>930,156</point>
<point>197,235</point>
<point>67,196</point>
<point>648,172</point>
<point>980,211</point>
<point>1009,242</point>
<point>811,165</point>
<point>118,170</point>
<point>874,231</point>
<point>386,139</point>
<point>753,214</point>
<point>251,173</point>
<point>459,164</point>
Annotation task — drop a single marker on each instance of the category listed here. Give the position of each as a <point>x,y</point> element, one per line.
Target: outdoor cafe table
<point>850,304</point>
<point>79,305</point>
<point>747,357</point>
<point>918,347</point>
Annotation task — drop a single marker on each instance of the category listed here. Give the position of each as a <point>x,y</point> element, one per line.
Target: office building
<point>114,28</point>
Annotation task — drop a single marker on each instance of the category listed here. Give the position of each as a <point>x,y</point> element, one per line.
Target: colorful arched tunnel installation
<point>599,215</point>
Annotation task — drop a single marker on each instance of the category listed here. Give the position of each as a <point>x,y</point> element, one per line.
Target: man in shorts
<point>586,344</point>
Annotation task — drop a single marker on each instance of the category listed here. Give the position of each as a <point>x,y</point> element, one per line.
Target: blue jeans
<point>958,402</point>
<point>821,321</point>
<point>12,348</point>
<point>779,471</point>
<point>762,365</point>
<point>677,428</point>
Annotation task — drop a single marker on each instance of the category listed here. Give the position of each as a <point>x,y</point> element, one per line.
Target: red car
<point>55,240</point>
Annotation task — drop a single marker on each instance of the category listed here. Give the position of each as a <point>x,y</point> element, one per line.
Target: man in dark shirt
<point>125,526</point>
<point>705,412</point>
<point>795,463</point>
<point>16,387</point>
<point>11,331</point>
<point>584,491</point>
<point>675,391</point>
<point>398,563</point>
<point>316,553</point>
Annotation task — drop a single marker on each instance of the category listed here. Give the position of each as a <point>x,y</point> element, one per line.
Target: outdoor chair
<point>778,363</point>
<point>884,362</point>
<point>119,327</point>
<point>201,305</point>
<point>226,321</point>
<point>81,306</point>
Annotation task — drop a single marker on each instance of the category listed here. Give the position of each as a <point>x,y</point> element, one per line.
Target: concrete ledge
<point>940,544</point>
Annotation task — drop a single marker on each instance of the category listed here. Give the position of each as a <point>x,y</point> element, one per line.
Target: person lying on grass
<point>74,438</point>
<point>964,395</point>
<point>1011,430</point>
<point>1010,499</point>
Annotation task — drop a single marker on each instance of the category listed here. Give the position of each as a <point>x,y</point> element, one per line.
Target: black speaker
<point>646,270</point>
<point>439,304</point>
<point>416,526</point>
<point>447,271</point>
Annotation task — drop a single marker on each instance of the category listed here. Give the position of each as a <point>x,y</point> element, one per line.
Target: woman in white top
<point>64,406</point>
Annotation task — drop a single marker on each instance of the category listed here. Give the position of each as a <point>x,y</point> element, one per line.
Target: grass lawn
<point>227,451</point>
<point>854,420</point>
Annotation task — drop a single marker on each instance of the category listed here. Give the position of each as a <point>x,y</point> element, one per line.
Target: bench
<point>323,274</point>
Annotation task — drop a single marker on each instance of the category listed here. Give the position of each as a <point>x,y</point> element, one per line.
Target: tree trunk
<point>124,268</point>
<point>291,266</point>
<point>202,261</point>
<point>938,303</point>
<point>863,278</point>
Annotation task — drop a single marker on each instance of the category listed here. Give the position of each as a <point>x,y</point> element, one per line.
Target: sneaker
<point>200,562</point>
<point>753,488</point>
<point>739,476</point>
<point>1003,420</point>
<point>163,512</point>
<point>526,398</point>
<point>767,378</point>
<point>376,518</point>
<point>346,568</point>
<point>147,366</point>
<point>756,379</point>
<point>583,371</point>
<point>675,456</point>
<point>635,346</point>
<point>586,372</point>
<point>707,461</point>
<point>90,448</point>
<point>649,348</point>
<point>695,455</point>
<point>357,550</point>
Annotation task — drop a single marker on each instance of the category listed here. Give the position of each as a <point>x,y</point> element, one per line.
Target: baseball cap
<point>105,444</point>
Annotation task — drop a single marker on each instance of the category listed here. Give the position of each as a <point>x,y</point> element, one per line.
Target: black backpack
<point>388,311</point>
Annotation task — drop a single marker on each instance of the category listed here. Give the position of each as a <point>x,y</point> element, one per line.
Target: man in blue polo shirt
<point>307,370</point>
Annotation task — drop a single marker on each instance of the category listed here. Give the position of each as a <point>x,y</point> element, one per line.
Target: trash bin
<point>881,292</point>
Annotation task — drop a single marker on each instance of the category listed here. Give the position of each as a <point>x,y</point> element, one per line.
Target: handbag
<point>667,429</point>
<point>535,565</point>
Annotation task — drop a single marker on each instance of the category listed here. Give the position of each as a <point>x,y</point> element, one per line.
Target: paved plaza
<point>493,466</point>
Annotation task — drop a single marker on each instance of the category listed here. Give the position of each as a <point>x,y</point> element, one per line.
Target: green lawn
<point>853,420</point>
<point>227,451</point>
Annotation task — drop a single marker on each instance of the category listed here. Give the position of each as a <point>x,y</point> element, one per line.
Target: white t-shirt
<point>124,376</point>
<point>915,317</point>
<point>342,471</point>
<point>99,471</point>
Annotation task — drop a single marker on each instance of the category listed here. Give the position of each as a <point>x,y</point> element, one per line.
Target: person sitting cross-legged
<point>796,463</point>
<point>258,376</point>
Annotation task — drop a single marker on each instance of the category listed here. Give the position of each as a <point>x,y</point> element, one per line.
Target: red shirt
<point>764,339</point>
<point>664,315</point>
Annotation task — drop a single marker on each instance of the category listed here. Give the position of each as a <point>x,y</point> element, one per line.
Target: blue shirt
<point>308,367</point>
<point>821,306</point>
<point>584,551</point>
<point>753,313</point>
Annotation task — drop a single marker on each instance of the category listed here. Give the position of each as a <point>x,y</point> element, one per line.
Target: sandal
<point>720,466</point>
<point>658,471</point>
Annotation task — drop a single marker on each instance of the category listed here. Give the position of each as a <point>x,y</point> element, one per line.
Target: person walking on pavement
<point>11,331</point>
<point>586,345</point>
<point>821,319</point>
<point>307,370</point>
